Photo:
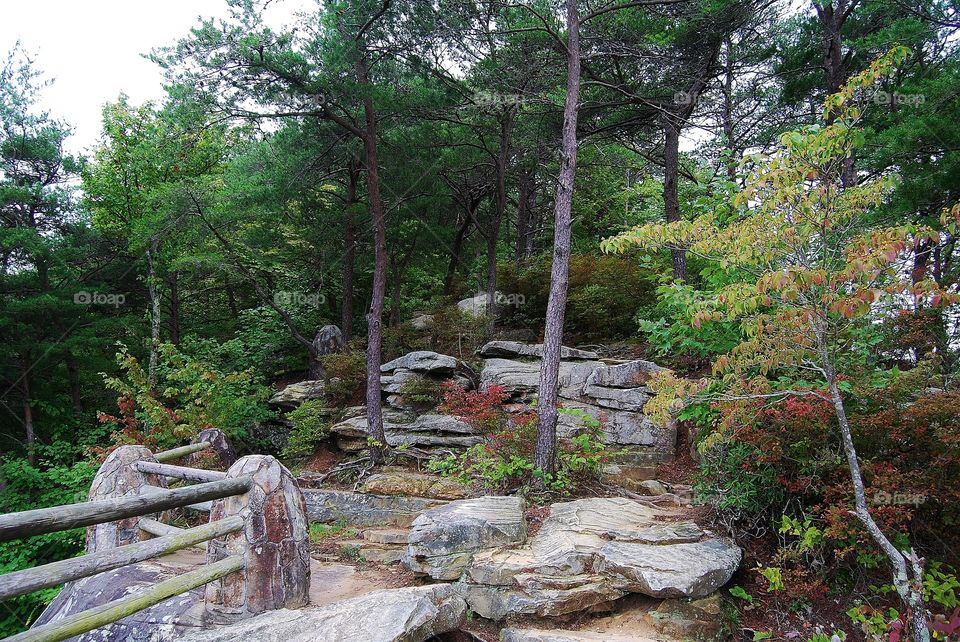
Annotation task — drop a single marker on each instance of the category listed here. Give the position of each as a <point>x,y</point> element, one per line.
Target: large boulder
<point>693,569</point>
<point>296,393</point>
<point>412,614</point>
<point>168,620</point>
<point>329,339</point>
<point>425,431</point>
<point>517,349</point>
<point>593,551</point>
<point>444,540</point>
<point>410,484</point>
<point>476,306</point>
<point>631,374</point>
<point>425,361</point>
<point>521,379</point>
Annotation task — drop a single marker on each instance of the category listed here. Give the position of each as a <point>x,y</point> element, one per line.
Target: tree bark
<point>909,589</point>
<point>545,453</point>
<point>349,249</point>
<point>457,249</point>
<point>73,376</point>
<point>375,316</point>
<point>174,308</point>
<point>154,311</point>
<point>671,201</point>
<point>499,211</point>
<point>29,433</point>
<point>525,203</point>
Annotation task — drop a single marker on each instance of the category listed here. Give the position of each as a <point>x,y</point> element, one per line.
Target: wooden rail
<point>39,577</point>
<point>156,490</point>
<point>182,451</point>
<point>178,472</point>
<point>118,609</point>
<point>61,518</point>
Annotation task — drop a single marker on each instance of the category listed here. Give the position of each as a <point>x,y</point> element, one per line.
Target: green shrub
<point>311,425</point>
<point>346,378</point>
<point>26,487</point>
<point>421,391</point>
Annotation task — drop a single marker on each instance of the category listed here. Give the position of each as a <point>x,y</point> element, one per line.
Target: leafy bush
<point>504,461</point>
<point>346,378</point>
<point>24,488</point>
<point>421,391</point>
<point>311,425</point>
<point>190,396</point>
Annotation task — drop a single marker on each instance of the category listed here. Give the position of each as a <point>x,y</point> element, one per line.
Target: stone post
<point>274,542</point>
<point>117,478</point>
<point>219,443</point>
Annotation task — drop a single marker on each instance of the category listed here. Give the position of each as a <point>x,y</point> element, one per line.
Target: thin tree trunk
<point>375,316</point>
<point>499,211</point>
<point>154,312</point>
<point>908,588</point>
<point>350,249</point>
<point>174,309</point>
<point>524,202</point>
<point>728,124</point>
<point>671,201</point>
<point>73,376</point>
<point>457,249</point>
<point>545,453</point>
<point>31,437</point>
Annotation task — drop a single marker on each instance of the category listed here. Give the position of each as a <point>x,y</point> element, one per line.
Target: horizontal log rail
<point>182,451</point>
<point>157,529</point>
<point>61,518</point>
<point>156,490</point>
<point>39,577</point>
<point>178,472</point>
<point>118,609</point>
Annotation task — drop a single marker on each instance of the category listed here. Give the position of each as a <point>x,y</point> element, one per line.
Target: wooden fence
<point>256,538</point>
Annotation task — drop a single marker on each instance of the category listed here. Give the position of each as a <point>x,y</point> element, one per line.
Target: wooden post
<point>118,609</point>
<point>39,577</point>
<point>274,543</point>
<point>117,478</point>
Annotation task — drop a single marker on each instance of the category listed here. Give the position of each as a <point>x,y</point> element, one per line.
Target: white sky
<point>92,49</point>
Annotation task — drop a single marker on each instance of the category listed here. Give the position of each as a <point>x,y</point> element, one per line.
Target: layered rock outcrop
<point>587,552</point>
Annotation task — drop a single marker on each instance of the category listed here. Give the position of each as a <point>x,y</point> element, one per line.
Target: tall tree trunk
<point>671,201</point>
<point>349,249</point>
<point>30,435</point>
<point>375,316</point>
<point>909,588</point>
<point>73,376</point>
<point>174,308</point>
<point>545,453</point>
<point>457,249</point>
<point>727,116</point>
<point>154,311</point>
<point>524,207</point>
<point>499,211</point>
<point>832,18</point>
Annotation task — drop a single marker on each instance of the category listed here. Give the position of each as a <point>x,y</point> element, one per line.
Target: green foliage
<point>321,532</point>
<point>346,381</point>
<point>311,425</point>
<point>421,391</point>
<point>24,488</point>
<point>739,593</point>
<point>190,397</point>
